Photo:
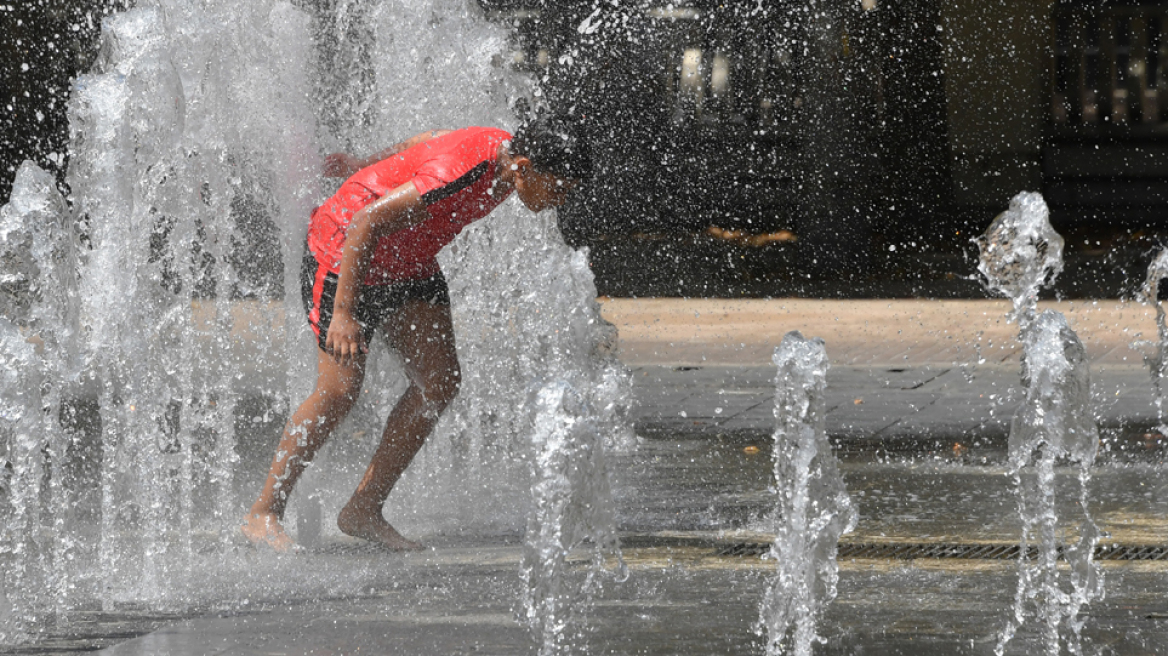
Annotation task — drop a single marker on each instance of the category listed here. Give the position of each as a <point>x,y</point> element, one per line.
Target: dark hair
<point>554,145</point>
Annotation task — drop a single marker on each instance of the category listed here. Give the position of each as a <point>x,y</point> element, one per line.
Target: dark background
<point>43,46</point>
<point>880,136</point>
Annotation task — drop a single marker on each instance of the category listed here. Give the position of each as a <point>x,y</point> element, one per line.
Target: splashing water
<point>1054,422</point>
<point>1021,252</point>
<point>546,345</point>
<point>1156,354</point>
<point>542,394</point>
<point>21,473</point>
<point>163,161</point>
<point>201,123</point>
<point>572,505</point>
<point>38,351</point>
<point>813,508</point>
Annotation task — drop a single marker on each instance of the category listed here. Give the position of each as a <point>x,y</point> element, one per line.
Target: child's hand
<point>340,165</point>
<point>345,341</point>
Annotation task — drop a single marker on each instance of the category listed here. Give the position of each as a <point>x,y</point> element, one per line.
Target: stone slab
<point>870,332</point>
<point>929,401</point>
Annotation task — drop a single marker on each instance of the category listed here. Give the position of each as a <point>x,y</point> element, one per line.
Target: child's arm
<point>397,210</point>
<point>342,165</point>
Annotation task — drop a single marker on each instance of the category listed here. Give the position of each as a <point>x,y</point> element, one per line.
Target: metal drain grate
<point>1122,552</point>
<point>350,549</point>
<point>896,551</point>
<point>911,551</point>
<point>745,549</point>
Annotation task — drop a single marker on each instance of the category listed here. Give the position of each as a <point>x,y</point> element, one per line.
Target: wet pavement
<point>922,444</point>
<point>912,375</point>
<point>677,601</point>
<point>911,407</point>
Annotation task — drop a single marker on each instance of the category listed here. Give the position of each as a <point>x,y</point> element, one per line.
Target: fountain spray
<point>561,390</point>
<point>813,507</point>
<point>1019,253</point>
<point>1156,355</point>
<point>168,136</point>
<point>571,507</point>
<point>38,358</point>
<point>195,111</point>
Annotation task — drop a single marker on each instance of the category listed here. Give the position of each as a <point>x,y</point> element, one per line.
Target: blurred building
<point>760,147</point>
<point>807,116</point>
<point>1104,144</point>
<point>862,126</point>
<point>43,45</point>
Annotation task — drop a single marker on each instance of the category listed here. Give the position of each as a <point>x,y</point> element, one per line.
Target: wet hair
<point>554,145</point>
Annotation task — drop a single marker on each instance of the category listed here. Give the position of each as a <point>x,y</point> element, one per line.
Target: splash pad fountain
<point>1020,253</point>
<point>41,299</point>
<point>813,509</point>
<point>229,142</point>
<point>1156,353</point>
<point>196,126</point>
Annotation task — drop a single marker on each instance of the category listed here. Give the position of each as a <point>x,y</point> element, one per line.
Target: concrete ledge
<point>859,332</point>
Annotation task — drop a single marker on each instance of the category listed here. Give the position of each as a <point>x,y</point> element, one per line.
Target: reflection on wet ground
<point>679,600</point>
<point>721,485</point>
<point>682,502</point>
<point>909,408</point>
<point>693,501</point>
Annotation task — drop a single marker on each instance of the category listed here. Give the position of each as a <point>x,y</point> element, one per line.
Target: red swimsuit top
<point>454,174</point>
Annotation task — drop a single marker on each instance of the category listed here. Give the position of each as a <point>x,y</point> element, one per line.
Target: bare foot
<point>370,525</point>
<point>264,529</point>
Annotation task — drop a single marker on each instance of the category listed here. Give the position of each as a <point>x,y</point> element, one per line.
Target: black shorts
<point>375,303</point>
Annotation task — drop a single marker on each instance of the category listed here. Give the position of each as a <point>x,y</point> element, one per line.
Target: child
<point>370,263</point>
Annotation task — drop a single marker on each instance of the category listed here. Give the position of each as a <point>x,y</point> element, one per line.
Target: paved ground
<point>901,368</point>
<point>869,333</point>
<point>920,397</point>
<point>684,505</point>
<point>902,371</point>
<point>879,407</point>
<point>677,601</point>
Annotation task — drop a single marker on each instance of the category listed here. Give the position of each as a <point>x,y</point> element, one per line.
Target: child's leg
<point>337,388</point>
<point>424,337</point>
